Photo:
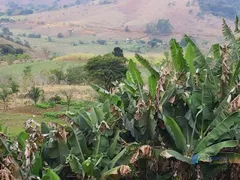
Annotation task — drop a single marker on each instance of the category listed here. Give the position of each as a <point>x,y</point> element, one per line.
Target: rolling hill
<point>92,21</point>
<point>95,19</point>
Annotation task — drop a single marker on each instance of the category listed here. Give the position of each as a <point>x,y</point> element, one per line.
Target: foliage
<point>6,31</point>
<point>163,27</point>
<point>46,105</point>
<point>55,115</point>
<point>186,106</point>
<point>174,125</point>
<point>56,99</point>
<point>220,8</point>
<point>60,35</point>
<point>14,87</point>
<point>101,42</point>
<point>154,42</point>
<point>106,69</point>
<point>5,92</point>
<point>118,52</point>
<point>59,74</point>
<point>68,97</point>
<point>76,75</point>
<point>8,49</point>
<point>34,35</point>
<point>35,93</point>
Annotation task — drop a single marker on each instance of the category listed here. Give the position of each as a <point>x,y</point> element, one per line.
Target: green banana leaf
<point>222,127</point>
<point>174,154</point>
<point>216,148</point>
<point>190,57</point>
<point>176,133</point>
<point>177,56</point>
<point>148,66</point>
<point>50,175</point>
<point>152,85</point>
<point>135,73</point>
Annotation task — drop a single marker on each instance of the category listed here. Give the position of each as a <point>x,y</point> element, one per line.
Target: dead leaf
<point>172,100</point>
<point>235,104</point>
<point>134,158</point>
<point>124,170</point>
<point>146,150</point>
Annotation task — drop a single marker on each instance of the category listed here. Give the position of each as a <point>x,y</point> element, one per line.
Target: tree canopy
<point>106,69</point>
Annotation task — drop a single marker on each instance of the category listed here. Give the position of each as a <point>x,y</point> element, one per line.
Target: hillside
<point>221,8</point>
<point>94,19</point>
<point>82,26</point>
<point>33,54</point>
<point>42,2</point>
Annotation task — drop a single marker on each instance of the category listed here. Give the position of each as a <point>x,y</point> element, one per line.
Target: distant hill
<point>38,2</point>
<point>16,7</point>
<point>221,8</point>
<point>81,27</point>
<point>111,19</point>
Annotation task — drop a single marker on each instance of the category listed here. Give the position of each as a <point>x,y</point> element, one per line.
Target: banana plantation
<point>182,122</point>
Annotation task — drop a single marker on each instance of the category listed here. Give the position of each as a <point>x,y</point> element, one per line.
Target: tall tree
<point>104,70</point>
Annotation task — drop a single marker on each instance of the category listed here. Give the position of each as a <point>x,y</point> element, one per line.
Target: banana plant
<point>190,101</point>
<point>94,139</point>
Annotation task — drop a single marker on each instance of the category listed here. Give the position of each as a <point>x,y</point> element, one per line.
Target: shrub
<point>163,27</point>
<point>15,87</point>
<point>19,51</point>
<point>34,35</point>
<point>55,115</point>
<point>141,42</point>
<point>7,49</point>
<point>154,42</point>
<point>57,99</point>
<point>59,74</point>
<point>25,12</point>
<point>60,35</point>
<point>76,75</point>
<point>46,105</point>
<point>102,42</point>
<point>6,31</point>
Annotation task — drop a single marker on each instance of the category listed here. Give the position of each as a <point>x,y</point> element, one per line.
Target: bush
<point>163,27</point>
<point>6,31</point>
<point>7,49</point>
<point>25,12</point>
<point>76,75</point>
<point>55,115</point>
<point>102,42</point>
<point>60,35</point>
<point>154,42</point>
<point>15,87</point>
<point>57,99</point>
<point>141,42</point>
<point>59,74</point>
<point>46,105</point>
<point>19,51</point>
<point>34,35</point>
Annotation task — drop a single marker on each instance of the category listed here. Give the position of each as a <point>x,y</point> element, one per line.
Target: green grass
<point>15,121</point>
<point>64,46</point>
<point>16,70</point>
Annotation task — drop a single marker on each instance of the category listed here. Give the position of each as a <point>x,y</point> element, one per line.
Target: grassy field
<point>86,44</point>
<point>15,121</point>
<point>16,70</point>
